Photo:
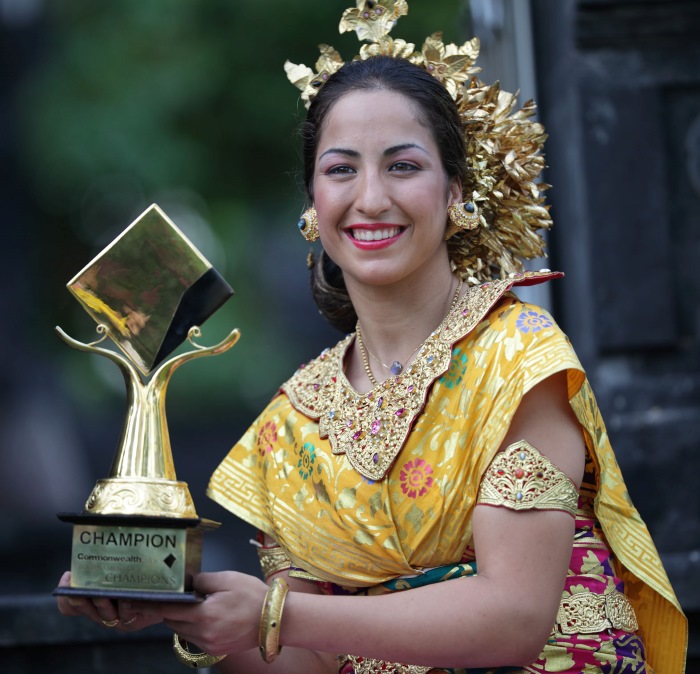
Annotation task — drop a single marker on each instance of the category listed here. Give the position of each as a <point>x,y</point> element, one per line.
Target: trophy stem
<point>144,449</point>
<point>142,479</point>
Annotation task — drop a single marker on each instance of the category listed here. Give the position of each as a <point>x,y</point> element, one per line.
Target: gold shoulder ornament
<point>504,145</point>
<point>520,478</point>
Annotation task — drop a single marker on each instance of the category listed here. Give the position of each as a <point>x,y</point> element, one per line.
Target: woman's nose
<point>372,197</point>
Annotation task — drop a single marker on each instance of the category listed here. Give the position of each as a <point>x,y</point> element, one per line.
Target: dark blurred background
<point>106,108</point>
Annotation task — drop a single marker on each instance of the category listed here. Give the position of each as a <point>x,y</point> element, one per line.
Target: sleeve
<point>238,484</point>
<point>520,346</point>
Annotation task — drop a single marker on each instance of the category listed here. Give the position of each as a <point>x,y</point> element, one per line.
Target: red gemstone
<point>519,472</point>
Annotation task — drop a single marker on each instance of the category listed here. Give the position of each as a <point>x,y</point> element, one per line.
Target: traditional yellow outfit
<point>376,491</point>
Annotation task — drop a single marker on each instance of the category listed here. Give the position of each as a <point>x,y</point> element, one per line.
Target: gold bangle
<point>193,660</point>
<point>271,620</point>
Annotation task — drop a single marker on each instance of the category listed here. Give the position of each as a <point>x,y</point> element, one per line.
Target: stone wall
<point>619,93</point>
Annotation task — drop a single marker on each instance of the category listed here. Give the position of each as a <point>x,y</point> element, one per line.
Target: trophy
<point>139,535</point>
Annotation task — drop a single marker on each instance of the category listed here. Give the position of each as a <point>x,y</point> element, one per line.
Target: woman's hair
<point>437,111</point>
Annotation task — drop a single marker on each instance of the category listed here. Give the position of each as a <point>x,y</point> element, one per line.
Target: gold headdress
<point>503,144</point>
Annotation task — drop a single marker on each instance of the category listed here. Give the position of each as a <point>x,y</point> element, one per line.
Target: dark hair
<point>438,112</point>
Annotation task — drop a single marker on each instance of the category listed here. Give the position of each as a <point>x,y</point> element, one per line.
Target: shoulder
<point>512,315</point>
<point>519,341</point>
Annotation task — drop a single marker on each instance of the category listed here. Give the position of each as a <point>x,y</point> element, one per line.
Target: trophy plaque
<point>139,535</point>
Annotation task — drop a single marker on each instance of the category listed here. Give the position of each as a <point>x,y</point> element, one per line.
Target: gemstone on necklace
<point>376,425</point>
<point>396,368</point>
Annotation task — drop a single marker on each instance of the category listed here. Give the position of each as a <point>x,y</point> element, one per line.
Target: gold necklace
<point>396,367</point>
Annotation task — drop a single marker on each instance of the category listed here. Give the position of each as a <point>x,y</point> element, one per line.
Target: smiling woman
<point>436,492</point>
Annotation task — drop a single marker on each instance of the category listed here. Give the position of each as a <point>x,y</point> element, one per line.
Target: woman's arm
<point>502,616</point>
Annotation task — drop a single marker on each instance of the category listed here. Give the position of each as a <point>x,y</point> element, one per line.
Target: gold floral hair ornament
<point>504,144</point>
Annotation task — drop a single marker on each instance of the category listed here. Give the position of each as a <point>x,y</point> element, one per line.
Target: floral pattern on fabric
<point>415,477</point>
<point>267,438</point>
<point>458,368</point>
<point>533,321</point>
<point>307,456</point>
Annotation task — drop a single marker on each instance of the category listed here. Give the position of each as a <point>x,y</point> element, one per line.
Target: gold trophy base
<point>135,556</point>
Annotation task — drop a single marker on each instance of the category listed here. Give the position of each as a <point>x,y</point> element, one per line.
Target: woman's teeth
<point>376,234</point>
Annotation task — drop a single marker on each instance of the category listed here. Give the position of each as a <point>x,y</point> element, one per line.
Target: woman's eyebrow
<point>340,150</point>
<point>403,146</point>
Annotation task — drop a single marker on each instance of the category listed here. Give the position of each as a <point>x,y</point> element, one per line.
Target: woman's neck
<point>394,321</point>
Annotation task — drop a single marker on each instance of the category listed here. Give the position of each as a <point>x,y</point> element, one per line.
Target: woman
<point>453,424</point>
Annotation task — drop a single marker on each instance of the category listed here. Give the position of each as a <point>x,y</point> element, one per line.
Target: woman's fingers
<point>71,605</point>
<point>102,610</point>
<point>107,611</point>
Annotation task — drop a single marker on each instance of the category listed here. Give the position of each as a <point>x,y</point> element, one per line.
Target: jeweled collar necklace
<point>371,428</point>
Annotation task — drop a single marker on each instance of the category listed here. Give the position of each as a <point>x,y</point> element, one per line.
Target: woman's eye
<point>403,166</point>
<point>340,170</point>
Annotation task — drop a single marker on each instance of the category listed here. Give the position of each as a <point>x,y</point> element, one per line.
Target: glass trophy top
<point>149,287</point>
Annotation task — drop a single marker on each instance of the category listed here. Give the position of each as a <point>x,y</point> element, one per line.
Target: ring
<point>110,623</point>
<point>129,621</point>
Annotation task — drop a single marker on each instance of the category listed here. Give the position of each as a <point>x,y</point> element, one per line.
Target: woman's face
<point>381,191</point>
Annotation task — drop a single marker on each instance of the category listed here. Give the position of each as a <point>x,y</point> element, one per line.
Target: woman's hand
<point>103,610</point>
<point>228,619</point>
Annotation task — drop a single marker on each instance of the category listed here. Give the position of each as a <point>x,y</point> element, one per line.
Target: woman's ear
<point>455,192</point>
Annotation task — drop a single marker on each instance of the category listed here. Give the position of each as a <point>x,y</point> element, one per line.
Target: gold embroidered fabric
<point>520,478</point>
<point>371,666</point>
<point>273,559</point>
<point>372,428</point>
<point>588,613</point>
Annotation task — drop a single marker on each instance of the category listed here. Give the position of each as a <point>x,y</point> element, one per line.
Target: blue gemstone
<point>396,368</point>
<point>301,224</point>
<point>469,207</point>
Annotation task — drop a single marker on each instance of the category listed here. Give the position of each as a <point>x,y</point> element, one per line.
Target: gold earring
<point>308,224</point>
<point>464,216</point>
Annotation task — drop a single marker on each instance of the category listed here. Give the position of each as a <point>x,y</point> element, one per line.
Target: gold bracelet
<point>271,620</point>
<point>193,660</point>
